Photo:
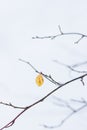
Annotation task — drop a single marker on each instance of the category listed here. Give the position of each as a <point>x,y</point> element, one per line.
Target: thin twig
<point>48,77</point>
<point>11,105</point>
<point>79,39</point>
<point>64,103</point>
<point>67,117</point>
<point>62,34</point>
<point>42,99</point>
<point>82,101</point>
<point>60,30</point>
<point>30,65</point>
<point>72,67</point>
<point>79,64</point>
<point>59,85</point>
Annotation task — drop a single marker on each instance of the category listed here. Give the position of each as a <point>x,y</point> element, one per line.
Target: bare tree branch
<point>11,105</point>
<point>79,64</point>
<point>58,84</point>
<point>62,34</point>
<point>63,103</point>
<point>82,101</point>
<point>48,77</point>
<point>42,99</point>
<point>60,30</point>
<point>72,67</point>
<point>74,111</point>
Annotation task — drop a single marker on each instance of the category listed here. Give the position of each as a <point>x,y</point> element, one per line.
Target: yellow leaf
<point>39,80</point>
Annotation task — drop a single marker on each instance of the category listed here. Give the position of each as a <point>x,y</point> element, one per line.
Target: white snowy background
<point>20,20</point>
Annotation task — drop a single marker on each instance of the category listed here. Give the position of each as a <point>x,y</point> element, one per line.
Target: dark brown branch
<point>48,77</point>
<point>42,99</point>
<point>13,121</point>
